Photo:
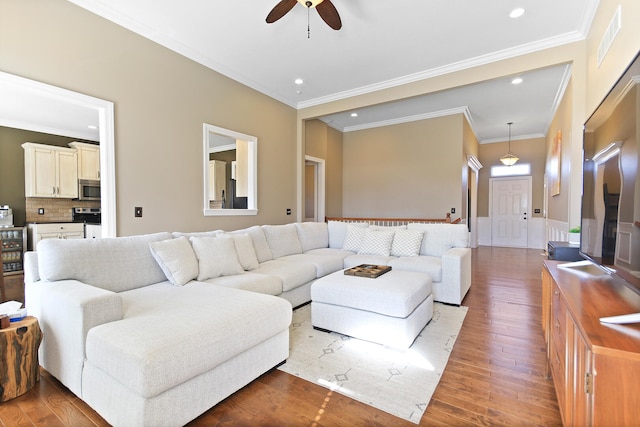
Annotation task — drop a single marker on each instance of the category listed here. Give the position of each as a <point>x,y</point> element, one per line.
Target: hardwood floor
<point>495,375</point>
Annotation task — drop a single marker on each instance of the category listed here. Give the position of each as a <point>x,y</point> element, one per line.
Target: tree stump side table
<point>19,367</point>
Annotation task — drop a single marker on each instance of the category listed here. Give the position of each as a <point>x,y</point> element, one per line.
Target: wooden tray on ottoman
<point>368,270</point>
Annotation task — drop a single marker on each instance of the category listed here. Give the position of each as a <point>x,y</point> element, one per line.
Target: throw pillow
<point>376,242</point>
<point>407,242</point>
<point>353,238</point>
<point>338,232</point>
<point>216,257</point>
<point>244,249</point>
<point>176,259</point>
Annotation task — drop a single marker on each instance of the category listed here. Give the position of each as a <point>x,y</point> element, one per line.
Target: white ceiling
<point>382,44</point>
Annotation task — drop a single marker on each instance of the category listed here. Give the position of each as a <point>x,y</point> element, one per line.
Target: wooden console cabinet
<point>595,367</point>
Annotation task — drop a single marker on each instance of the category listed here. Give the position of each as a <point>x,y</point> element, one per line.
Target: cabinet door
<point>583,381</point>
<point>88,163</point>
<point>40,173</point>
<point>67,175</point>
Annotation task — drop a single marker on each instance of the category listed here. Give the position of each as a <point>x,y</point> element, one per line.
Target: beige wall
<point>559,205</point>
<point>409,170</point>
<point>161,100</point>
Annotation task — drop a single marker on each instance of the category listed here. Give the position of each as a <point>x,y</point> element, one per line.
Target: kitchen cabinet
<point>88,160</point>
<point>41,231</point>
<point>594,366</point>
<point>50,171</point>
<point>217,182</point>
<point>92,231</point>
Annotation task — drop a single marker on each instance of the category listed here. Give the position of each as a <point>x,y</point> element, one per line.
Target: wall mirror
<point>230,172</point>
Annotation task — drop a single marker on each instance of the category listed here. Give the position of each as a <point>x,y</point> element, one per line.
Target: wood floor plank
<point>495,375</point>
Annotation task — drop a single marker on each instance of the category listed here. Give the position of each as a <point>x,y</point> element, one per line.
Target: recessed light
<point>516,13</point>
<point>298,81</point>
<point>516,81</point>
<point>92,127</point>
<point>354,114</point>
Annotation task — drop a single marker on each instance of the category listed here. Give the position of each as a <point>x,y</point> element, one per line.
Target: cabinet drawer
<point>75,227</point>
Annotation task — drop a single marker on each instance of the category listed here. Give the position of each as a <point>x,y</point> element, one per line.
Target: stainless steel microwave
<point>88,189</point>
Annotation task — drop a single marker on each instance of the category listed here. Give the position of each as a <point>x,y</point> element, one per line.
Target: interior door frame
<point>529,201</point>
<point>105,112</point>
<point>319,186</point>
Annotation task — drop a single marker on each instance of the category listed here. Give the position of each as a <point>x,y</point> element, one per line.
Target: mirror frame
<point>252,171</point>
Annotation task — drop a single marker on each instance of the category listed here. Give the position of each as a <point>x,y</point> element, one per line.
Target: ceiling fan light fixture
<point>509,159</point>
<point>310,3</point>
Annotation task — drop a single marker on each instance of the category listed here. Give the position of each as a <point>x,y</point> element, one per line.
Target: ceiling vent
<point>609,35</point>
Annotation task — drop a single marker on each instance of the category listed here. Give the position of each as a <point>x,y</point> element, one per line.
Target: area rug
<point>398,381</point>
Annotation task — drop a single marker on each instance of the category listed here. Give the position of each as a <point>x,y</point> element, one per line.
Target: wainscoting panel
<point>557,231</point>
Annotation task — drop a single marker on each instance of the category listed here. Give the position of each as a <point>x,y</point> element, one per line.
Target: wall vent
<point>609,35</point>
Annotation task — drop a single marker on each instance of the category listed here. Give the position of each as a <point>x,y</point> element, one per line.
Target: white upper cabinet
<point>50,171</point>
<point>88,160</point>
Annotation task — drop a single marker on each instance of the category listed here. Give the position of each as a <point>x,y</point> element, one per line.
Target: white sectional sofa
<point>153,330</point>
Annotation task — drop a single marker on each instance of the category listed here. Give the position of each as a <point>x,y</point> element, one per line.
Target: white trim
<point>105,112</point>
<point>121,19</point>
<point>320,186</point>
<point>474,163</point>
<point>252,153</point>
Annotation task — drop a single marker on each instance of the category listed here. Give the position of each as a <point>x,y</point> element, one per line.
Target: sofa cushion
<point>291,274</point>
<point>114,263</point>
<point>157,347</point>
<point>216,257</point>
<point>190,234</point>
<point>376,242</point>
<point>407,242</point>
<point>439,238</point>
<point>282,239</point>
<point>422,264</point>
<point>177,259</point>
<point>250,281</point>
<point>244,249</point>
<point>313,235</point>
<point>353,237</point>
<point>338,232</point>
<point>263,251</point>
<point>324,264</point>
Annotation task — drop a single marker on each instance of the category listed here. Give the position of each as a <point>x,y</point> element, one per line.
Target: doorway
<point>314,189</point>
<point>510,205</point>
<point>105,112</point>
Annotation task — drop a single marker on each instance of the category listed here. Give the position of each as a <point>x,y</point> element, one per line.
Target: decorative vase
<point>574,238</point>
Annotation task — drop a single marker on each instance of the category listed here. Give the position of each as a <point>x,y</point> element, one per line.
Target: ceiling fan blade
<point>329,14</point>
<point>280,10</point>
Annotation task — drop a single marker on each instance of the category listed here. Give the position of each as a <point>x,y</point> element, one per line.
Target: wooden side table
<point>19,367</point>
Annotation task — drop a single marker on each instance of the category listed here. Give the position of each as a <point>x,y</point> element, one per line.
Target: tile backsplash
<point>55,210</point>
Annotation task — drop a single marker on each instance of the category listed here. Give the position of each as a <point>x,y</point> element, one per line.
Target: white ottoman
<point>391,309</point>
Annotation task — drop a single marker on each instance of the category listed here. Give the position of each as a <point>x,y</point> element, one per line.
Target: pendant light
<point>509,159</point>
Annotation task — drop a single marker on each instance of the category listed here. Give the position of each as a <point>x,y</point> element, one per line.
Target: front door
<point>509,211</point>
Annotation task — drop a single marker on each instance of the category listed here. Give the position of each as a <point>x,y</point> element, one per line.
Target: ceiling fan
<point>325,8</point>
